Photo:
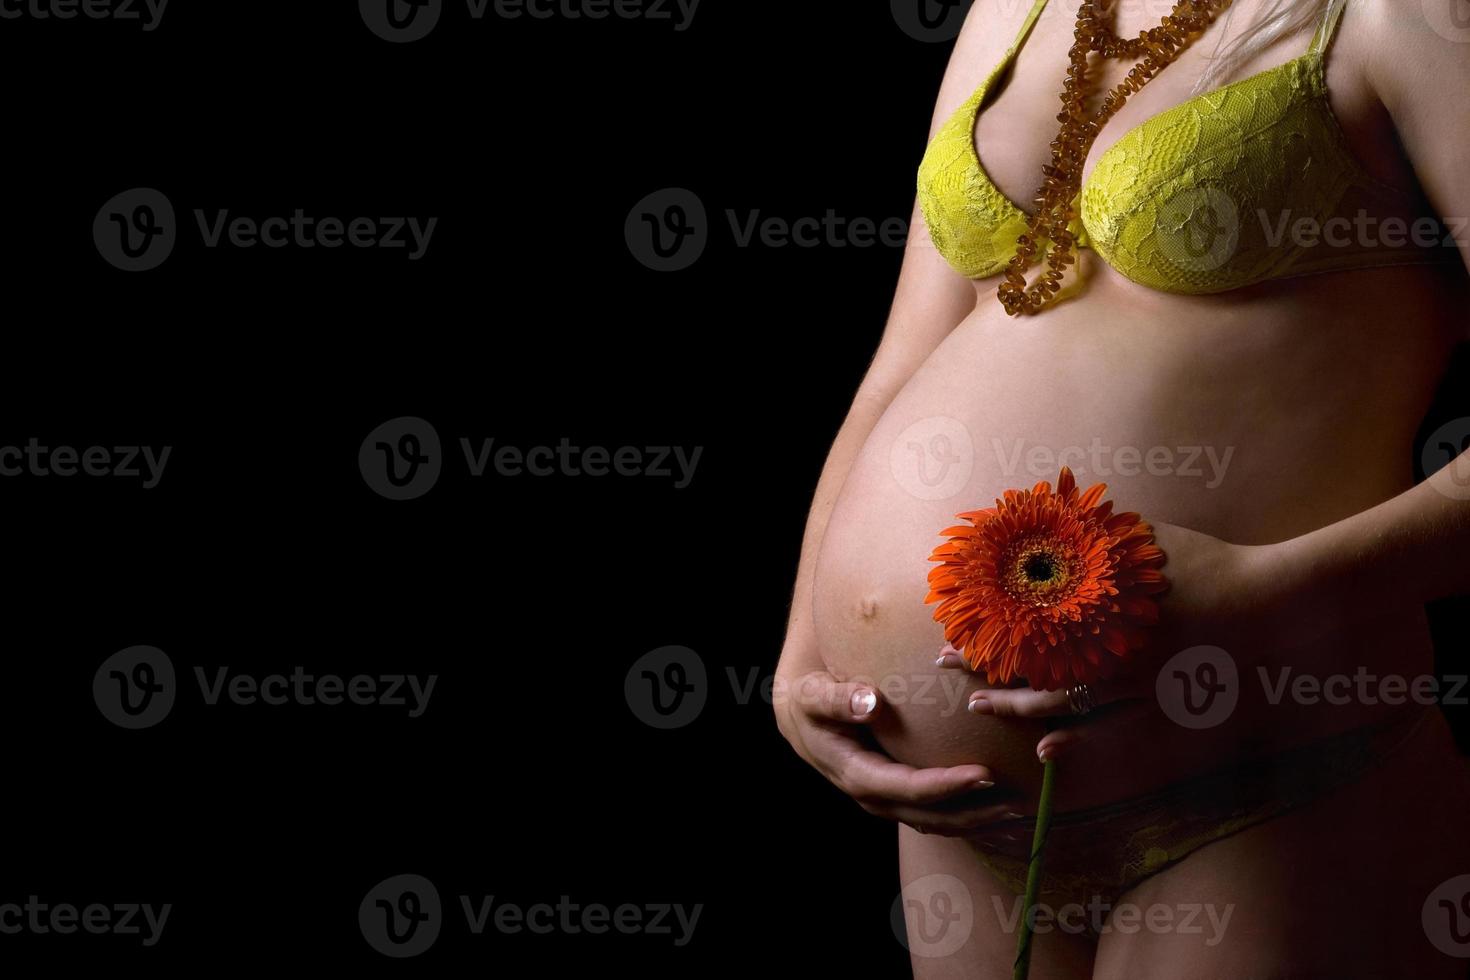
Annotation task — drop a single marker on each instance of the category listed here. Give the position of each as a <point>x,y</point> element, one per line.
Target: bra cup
<point>1195,200</point>
<point>971,223</point>
<point>1205,197</point>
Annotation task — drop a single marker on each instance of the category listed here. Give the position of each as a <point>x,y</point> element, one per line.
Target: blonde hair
<point>1277,19</point>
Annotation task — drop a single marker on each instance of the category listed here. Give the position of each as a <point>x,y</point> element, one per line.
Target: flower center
<point>1039,571</point>
<point>1040,568</point>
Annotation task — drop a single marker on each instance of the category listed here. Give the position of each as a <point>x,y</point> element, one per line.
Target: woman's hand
<point>822,717</point>
<point>1219,595</point>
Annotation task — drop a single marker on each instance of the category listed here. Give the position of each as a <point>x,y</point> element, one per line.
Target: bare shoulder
<point>989,29</point>
<point>1414,50</point>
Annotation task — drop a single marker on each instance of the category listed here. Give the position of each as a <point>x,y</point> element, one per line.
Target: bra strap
<point>1025,31</point>
<point>1323,37</point>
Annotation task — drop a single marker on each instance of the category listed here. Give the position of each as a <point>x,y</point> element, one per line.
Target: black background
<point>529,320</point>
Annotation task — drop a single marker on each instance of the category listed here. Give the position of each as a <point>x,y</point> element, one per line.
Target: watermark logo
<point>668,230</point>
<point>670,687</point>
<point>147,13</point>
<point>135,688</point>
<point>667,688</point>
<point>933,916</point>
<point>401,916</point>
<point>932,458</point>
<point>1206,463</point>
<point>142,463</point>
<point>930,21</point>
<point>40,918</point>
<point>1363,230</point>
<point>1446,449</point>
<point>135,231</point>
<point>1199,687</point>
<point>1362,688</point>
<point>1450,19</point>
<point>1446,917</point>
<point>1102,917</point>
<point>1199,228</point>
<point>401,459</point>
<point>401,21</point>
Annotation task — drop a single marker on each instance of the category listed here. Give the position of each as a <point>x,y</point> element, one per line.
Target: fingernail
<point>863,702</point>
<point>980,706</point>
<point>1045,752</point>
<point>983,784</point>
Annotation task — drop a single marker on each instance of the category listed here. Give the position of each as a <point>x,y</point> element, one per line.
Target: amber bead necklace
<point>1157,47</point>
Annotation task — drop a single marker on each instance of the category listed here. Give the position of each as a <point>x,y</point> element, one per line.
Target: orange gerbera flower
<point>1051,587</point>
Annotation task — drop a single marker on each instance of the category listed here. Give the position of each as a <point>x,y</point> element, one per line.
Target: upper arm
<point>1420,70</point>
<point>931,297</point>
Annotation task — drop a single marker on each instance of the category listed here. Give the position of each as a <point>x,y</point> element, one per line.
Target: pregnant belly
<point>1002,405</point>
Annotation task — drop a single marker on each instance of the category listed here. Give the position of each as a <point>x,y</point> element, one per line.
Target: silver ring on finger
<point>1080,699</point>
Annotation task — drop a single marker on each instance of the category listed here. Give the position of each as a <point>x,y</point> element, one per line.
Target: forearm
<point>1404,552</point>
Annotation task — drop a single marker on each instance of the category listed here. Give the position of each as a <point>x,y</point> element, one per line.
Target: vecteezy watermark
<point>932,458</point>
<point>403,916</point>
<point>402,21</point>
<point>146,13</point>
<point>136,688</point>
<point>402,459</point>
<point>143,463</point>
<point>931,21</point>
<point>669,687</point>
<point>1362,230</point>
<point>1448,448</point>
<point>1362,687</point>
<point>933,916</point>
<point>1198,687</point>
<point>137,230</point>
<point>1099,460</point>
<point>1446,917</point>
<point>1101,916</point>
<point>1198,229</point>
<point>1450,19</point>
<point>669,230</point>
<point>38,918</point>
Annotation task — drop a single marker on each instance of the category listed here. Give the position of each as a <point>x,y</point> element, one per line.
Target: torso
<point>1313,386</point>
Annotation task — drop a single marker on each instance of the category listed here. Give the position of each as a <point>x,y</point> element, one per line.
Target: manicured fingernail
<point>981,706</point>
<point>983,784</point>
<point>863,702</point>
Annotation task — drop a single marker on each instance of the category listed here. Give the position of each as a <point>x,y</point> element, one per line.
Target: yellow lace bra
<point>1251,182</point>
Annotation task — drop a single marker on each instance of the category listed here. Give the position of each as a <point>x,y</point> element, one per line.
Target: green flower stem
<point>1033,872</point>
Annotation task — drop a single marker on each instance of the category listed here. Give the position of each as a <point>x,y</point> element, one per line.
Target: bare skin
<point>1304,546</point>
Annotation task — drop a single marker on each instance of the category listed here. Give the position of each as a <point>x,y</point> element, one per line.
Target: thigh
<point>962,924</point>
<point>1334,889</point>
